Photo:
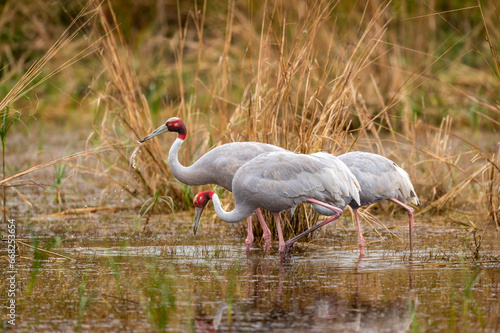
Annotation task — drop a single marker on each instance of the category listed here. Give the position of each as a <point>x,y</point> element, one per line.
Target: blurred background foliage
<point>415,81</point>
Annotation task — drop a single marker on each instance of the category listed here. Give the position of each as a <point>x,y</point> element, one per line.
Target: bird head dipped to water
<point>200,201</point>
<point>174,124</point>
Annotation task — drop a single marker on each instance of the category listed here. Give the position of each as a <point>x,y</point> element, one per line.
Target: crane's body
<point>380,179</point>
<point>278,181</point>
<point>226,159</point>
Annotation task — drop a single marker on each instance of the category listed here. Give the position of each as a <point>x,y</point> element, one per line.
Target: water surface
<point>209,284</point>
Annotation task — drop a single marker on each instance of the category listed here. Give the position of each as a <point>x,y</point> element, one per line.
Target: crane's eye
<point>199,199</point>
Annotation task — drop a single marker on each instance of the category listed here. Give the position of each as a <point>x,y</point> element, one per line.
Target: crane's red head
<point>202,198</point>
<point>200,201</point>
<point>174,124</point>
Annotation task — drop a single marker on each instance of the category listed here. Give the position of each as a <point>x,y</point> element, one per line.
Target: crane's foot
<point>267,241</point>
<point>248,243</point>
<point>361,245</point>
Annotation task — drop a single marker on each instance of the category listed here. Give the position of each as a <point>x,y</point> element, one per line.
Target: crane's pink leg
<point>280,234</point>
<point>289,243</point>
<point>324,204</point>
<point>267,232</point>
<point>249,239</point>
<point>361,239</point>
<point>409,210</point>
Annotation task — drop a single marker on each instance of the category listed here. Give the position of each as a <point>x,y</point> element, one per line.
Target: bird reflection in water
<point>279,299</point>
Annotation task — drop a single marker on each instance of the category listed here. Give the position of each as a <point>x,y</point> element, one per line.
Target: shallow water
<point>211,285</point>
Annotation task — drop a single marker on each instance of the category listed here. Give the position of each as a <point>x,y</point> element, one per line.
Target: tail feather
<point>414,199</point>
<point>348,184</point>
<point>353,190</point>
<point>407,189</point>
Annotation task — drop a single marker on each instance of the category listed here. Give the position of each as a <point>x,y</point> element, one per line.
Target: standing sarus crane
<point>217,166</point>
<point>279,181</point>
<point>380,179</point>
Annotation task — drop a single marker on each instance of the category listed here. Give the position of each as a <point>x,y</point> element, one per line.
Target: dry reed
<point>306,83</point>
<point>307,76</point>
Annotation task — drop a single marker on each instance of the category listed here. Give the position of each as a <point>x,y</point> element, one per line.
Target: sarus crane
<point>278,181</point>
<point>380,179</point>
<point>217,166</point>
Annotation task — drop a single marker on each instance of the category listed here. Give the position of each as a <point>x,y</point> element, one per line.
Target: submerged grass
<point>83,300</point>
<point>160,299</point>
<point>218,286</point>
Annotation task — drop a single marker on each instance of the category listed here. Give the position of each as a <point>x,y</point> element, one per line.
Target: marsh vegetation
<point>104,231</point>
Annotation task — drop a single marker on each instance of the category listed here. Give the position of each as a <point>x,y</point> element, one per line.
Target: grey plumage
<point>380,179</point>
<point>217,166</point>
<point>278,181</point>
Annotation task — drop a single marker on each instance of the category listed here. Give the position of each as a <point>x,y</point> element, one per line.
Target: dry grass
<point>413,82</point>
<point>125,108</point>
<point>298,78</point>
<point>493,190</point>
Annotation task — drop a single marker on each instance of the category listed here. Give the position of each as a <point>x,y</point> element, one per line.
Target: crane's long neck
<point>186,175</point>
<point>239,213</point>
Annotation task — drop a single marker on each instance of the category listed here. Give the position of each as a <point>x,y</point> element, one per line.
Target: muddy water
<point>162,279</point>
<point>209,284</point>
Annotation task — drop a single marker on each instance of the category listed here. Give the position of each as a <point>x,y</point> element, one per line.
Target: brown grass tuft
<point>413,82</point>
<point>302,77</point>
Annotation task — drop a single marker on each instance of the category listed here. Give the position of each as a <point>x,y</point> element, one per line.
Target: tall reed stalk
<point>307,76</point>
<point>7,122</point>
<point>35,77</point>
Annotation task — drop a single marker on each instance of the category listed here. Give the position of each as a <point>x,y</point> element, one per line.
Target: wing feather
<point>298,177</point>
<point>223,161</point>
<point>379,177</point>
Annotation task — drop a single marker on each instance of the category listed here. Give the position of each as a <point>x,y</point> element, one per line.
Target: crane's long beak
<point>158,131</point>
<point>197,215</point>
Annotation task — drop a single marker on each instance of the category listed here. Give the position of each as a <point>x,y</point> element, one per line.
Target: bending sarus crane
<point>380,179</point>
<point>217,166</point>
<point>279,181</point>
